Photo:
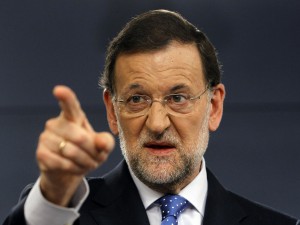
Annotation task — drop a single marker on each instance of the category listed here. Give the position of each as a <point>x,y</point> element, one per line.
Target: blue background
<point>254,153</point>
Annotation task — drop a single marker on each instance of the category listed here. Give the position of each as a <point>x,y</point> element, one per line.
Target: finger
<point>92,157</point>
<point>86,124</point>
<point>79,157</point>
<point>71,132</point>
<point>49,141</point>
<point>83,149</point>
<point>53,143</point>
<point>49,161</point>
<point>69,104</point>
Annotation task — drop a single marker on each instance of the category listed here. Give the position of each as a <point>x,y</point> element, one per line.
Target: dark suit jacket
<point>114,200</point>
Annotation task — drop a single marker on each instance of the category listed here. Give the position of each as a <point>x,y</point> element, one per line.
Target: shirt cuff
<point>39,211</point>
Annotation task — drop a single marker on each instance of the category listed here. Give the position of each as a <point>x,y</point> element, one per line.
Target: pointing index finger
<point>69,104</point>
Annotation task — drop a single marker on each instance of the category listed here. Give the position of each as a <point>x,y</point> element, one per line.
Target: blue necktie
<point>171,206</point>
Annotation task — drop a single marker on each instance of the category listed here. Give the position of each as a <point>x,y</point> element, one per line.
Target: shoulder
<point>118,182</point>
<point>112,181</point>
<point>257,213</point>
<point>225,205</point>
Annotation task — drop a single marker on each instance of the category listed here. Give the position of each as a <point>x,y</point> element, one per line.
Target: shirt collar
<point>195,192</point>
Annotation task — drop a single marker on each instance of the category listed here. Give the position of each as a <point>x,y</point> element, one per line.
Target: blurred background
<point>254,153</point>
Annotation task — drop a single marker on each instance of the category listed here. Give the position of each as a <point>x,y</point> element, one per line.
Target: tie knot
<point>172,205</point>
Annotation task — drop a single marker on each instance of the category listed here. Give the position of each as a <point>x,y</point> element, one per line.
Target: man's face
<point>164,150</point>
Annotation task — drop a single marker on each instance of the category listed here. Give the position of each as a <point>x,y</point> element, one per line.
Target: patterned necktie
<point>171,206</point>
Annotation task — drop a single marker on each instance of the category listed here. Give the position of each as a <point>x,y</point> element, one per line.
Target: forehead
<point>177,64</point>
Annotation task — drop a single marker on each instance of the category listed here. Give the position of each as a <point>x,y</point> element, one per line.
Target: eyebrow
<point>173,89</point>
<point>178,87</point>
<point>134,86</point>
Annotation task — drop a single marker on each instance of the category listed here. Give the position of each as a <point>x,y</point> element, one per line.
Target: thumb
<point>104,141</point>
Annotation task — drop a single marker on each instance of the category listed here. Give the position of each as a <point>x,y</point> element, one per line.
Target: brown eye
<point>176,98</point>
<point>135,99</point>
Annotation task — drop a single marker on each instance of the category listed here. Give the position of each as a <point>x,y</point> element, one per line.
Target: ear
<point>110,112</point>
<point>217,103</point>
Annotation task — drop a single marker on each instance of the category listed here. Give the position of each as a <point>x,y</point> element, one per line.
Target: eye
<point>177,98</point>
<point>135,99</point>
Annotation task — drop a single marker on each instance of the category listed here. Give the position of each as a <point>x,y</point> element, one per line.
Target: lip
<point>160,148</point>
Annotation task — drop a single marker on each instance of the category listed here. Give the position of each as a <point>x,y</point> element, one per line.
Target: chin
<point>159,173</point>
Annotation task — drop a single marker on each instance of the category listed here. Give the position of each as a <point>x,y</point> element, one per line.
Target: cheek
<point>189,128</point>
<point>131,128</point>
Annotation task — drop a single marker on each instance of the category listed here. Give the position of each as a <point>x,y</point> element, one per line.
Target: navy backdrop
<point>255,152</point>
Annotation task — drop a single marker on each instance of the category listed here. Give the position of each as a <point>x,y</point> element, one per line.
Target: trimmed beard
<point>151,170</point>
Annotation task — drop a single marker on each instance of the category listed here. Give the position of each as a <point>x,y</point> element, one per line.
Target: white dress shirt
<point>195,193</point>
<point>39,211</point>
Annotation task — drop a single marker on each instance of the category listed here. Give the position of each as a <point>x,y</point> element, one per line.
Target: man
<point>163,95</point>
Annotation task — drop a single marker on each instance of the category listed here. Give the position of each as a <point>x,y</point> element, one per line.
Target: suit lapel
<point>221,208</point>
<point>118,200</point>
<point>115,200</point>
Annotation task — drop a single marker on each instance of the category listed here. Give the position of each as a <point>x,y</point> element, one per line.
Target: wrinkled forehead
<point>178,65</point>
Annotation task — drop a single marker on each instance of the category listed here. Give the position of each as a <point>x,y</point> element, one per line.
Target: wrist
<point>59,191</point>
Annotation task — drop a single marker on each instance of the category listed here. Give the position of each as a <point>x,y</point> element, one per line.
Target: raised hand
<point>68,149</point>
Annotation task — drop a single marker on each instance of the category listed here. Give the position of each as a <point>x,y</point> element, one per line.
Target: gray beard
<point>148,170</point>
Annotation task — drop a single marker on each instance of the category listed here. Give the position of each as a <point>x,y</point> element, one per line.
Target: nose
<point>158,120</point>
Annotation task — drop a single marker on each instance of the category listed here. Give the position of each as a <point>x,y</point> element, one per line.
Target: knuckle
<point>70,153</point>
<point>94,165</point>
<point>71,168</point>
<point>83,115</point>
<point>41,156</point>
<point>102,156</point>
<point>44,163</point>
<point>49,124</point>
<point>43,136</point>
<point>67,166</point>
<point>80,139</point>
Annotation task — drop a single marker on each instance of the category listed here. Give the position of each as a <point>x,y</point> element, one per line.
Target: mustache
<point>166,137</point>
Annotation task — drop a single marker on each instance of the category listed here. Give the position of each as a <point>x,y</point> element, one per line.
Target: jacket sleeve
<point>16,216</point>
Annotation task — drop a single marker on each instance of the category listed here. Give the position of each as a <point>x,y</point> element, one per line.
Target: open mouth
<point>159,146</point>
